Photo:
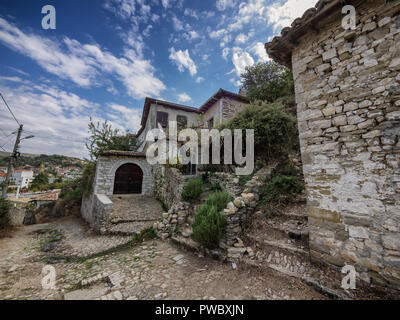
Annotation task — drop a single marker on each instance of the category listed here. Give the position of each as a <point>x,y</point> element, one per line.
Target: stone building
<point>347,85</point>
<point>119,173</point>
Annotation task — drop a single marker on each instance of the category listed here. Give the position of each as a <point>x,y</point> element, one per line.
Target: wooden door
<point>128,179</point>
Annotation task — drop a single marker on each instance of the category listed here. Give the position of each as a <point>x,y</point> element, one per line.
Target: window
<point>162,119</point>
<point>211,123</point>
<point>189,169</point>
<point>182,122</point>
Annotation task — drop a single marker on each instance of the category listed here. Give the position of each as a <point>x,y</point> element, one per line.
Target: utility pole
<point>11,163</point>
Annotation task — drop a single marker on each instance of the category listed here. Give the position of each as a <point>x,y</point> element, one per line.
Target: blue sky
<point>106,56</point>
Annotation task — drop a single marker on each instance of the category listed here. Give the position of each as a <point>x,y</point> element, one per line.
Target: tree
<point>41,180</point>
<point>274,129</point>
<point>268,82</point>
<point>103,137</point>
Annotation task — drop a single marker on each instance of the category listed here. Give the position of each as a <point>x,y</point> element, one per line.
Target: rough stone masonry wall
<point>168,184</point>
<point>348,102</point>
<point>239,211</point>
<point>97,208</point>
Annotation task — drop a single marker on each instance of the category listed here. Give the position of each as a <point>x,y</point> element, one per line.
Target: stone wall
<point>16,214</point>
<point>168,184</point>
<point>107,166</point>
<point>229,182</point>
<point>240,210</point>
<point>97,208</point>
<point>230,107</point>
<point>348,102</point>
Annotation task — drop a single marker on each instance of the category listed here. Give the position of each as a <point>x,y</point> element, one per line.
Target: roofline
<point>216,96</point>
<point>281,47</point>
<point>149,101</point>
<point>222,93</point>
<point>113,153</point>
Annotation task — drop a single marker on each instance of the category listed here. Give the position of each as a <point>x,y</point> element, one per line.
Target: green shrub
<point>274,130</point>
<point>5,207</point>
<point>88,174</point>
<point>73,195</point>
<point>282,189</point>
<point>193,189</point>
<point>219,200</point>
<point>208,226</point>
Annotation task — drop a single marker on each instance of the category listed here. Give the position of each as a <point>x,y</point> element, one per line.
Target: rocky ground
<point>90,267</point>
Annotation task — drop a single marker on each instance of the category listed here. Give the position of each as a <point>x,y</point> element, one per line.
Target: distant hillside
<point>35,160</point>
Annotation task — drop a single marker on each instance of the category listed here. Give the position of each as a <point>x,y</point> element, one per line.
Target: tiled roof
<point>149,101</point>
<point>281,47</point>
<point>122,154</point>
<point>220,94</point>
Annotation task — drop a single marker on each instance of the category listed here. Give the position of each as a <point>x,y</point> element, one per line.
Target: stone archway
<point>128,179</point>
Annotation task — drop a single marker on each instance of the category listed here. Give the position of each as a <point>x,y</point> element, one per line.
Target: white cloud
<point>165,3</point>
<point>178,25</point>
<point>183,97</point>
<point>241,61</point>
<point>199,79</point>
<point>129,118</point>
<point>282,15</point>
<point>241,38</point>
<point>182,60</point>
<point>47,54</point>
<point>86,64</point>
<point>259,50</point>
<point>146,32</point>
<point>191,13</point>
<point>191,35</point>
<point>218,34</point>
<point>58,119</point>
<point>225,53</point>
<point>225,4</point>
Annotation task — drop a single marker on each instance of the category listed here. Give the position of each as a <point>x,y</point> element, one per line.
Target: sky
<point>106,56</point>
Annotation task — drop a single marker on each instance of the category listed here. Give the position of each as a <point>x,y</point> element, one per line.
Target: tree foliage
<point>192,189</point>
<point>104,137</point>
<point>40,182</point>
<point>274,130</point>
<point>268,82</point>
<point>208,226</point>
<point>5,207</point>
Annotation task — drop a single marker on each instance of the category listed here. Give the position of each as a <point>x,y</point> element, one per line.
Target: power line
<point>3,132</point>
<point>9,109</point>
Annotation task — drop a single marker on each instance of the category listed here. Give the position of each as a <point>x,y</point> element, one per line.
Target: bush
<point>208,226</point>
<point>88,174</point>
<point>268,81</point>
<point>73,195</point>
<point>274,130</point>
<point>5,207</point>
<point>282,189</point>
<point>219,200</point>
<point>193,189</point>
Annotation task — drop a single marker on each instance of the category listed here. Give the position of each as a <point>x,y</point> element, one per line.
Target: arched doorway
<point>128,179</point>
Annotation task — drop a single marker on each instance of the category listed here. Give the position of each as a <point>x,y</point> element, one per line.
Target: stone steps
<point>318,284</point>
<point>293,228</point>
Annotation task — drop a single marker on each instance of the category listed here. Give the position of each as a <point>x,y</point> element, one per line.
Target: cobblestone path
<point>152,270</point>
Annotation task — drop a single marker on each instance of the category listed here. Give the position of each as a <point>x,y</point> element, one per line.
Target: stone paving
<point>152,270</point>
<point>132,208</point>
<point>133,214</point>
